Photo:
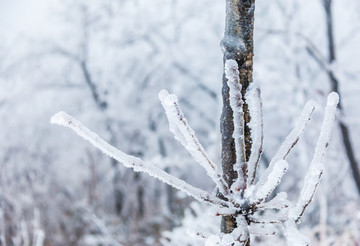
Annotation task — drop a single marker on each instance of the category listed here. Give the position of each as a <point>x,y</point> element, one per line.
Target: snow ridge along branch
<point>237,103</point>
<point>182,131</point>
<point>64,119</point>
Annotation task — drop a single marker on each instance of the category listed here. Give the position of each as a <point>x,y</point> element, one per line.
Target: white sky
<point>24,16</point>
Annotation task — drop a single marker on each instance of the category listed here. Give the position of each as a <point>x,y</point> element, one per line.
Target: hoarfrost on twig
<point>268,183</point>
<point>241,232</point>
<point>294,135</point>
<point>293,236</point>
<point>316,168</point>
<point>262,229</point>
<point>280,201</point>
<point>287,145</point>
<point>182,131</point>
<point>227,240</point>
<point>63,119</point>
<point>213,240</point>
<point>236,103</point>
<point>269,216</point>
<point>253,99</point>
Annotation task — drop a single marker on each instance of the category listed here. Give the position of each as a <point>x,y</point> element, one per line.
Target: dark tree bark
<point>238,45</point>
<point>345,133</point>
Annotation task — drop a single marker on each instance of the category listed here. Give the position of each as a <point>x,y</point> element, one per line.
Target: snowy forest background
<point>105,62</point>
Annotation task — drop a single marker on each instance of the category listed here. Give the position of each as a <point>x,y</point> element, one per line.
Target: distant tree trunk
<point>238,45</point>
<point>335,87</point>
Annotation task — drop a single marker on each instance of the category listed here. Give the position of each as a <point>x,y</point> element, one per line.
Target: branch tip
<point>333,99</point>
<point>163,94</point>
<point>60,118</point>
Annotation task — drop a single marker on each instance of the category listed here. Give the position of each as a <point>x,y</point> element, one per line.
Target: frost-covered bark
<point>237,45</point>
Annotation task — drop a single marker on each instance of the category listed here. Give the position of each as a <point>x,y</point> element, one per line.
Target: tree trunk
<point>335,87</point>
<point>238,45</point>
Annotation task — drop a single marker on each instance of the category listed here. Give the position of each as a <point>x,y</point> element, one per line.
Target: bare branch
<point>316,168</point>
<point>63,119</point>
<point>186,136</point>
<point>197,80</point>
<point>310,46</point>
<point>57,49</point>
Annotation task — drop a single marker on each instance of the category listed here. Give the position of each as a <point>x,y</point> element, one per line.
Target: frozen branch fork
<point>245,199</point>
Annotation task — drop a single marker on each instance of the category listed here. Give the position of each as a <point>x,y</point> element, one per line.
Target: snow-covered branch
<point>237,103</point>
<point>283,151</point>
<point>293,236</point>
<point>269,216</point>
<point>268,183</point>
<point>253,99</point>
<point>294,135</point>
<point>241,233</point>
<point>280,201</point>
<point>262,230</point>
<point>316,168</point>
<point>182,131</point>
<point>63,119</point>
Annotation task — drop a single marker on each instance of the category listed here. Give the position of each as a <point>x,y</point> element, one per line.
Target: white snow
<point>285,147</point>
<point>227,240</point>
<point>270,216</point>
<point>311,182</point>
<point>241,232</point>
<point>326,128</point>
<point>280,201</point>
<point>213,240</point>
<point>268,183</point>
<point>236,103</point>
<point>262,229</point>
<point>316,168</point>
<point>253,99</point>
<point>293,236</point>
<point>165,99</point>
